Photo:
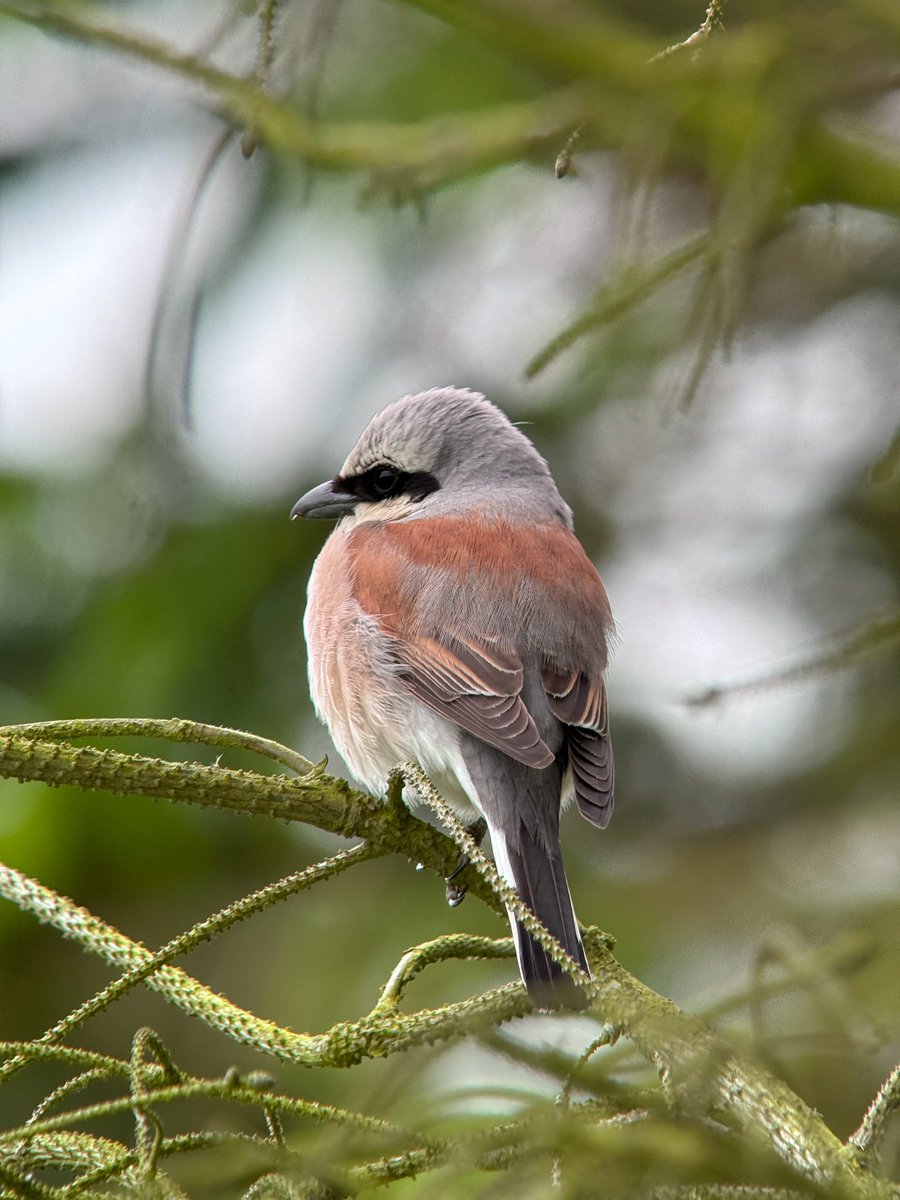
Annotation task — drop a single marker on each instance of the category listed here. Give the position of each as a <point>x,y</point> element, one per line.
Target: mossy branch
<point>344,1045</point>
<point>77,923</point>
<point>867,1138</point>
<point>701,1073</point>
<point>430,152</point>
<point>315,798</point>
<point>609,70</point>
<point>171,729</point>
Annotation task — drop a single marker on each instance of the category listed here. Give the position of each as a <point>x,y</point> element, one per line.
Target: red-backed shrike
<point>455,619</point>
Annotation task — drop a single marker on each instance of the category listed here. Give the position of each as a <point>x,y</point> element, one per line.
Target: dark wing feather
<point>478,688</point>
<point>579,701</point>
<point>591,758</point>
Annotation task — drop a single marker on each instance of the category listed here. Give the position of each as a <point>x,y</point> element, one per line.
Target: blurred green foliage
<point>139,582</point>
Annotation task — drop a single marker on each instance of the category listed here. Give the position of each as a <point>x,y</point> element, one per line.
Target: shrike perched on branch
<point>455,619</point>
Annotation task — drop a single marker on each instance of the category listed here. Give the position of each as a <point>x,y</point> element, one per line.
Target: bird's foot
<point>456,892</point>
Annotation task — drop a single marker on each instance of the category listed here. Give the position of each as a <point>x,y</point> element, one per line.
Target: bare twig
<point>875,635</point>
<point>175,256</point>
<point>712,19</point>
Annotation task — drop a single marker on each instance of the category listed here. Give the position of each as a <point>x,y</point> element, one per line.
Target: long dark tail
<point>540,879</point>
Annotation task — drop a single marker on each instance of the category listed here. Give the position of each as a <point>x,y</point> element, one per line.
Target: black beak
<point>326,502</point>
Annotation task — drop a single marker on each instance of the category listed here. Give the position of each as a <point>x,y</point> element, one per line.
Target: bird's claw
<point>456,892</point>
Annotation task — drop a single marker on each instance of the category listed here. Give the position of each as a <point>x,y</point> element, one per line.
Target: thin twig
<point>224,1088</point>
<point>876,634</point>
<point>627,289</point>
<point>176,254</point>
<point>712,19</point>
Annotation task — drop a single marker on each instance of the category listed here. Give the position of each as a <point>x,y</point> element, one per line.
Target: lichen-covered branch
<point>315,798</point>
<point>711,20</point>
<point>702,1075</point>
<point>171,729</point>
<point>608,77</point>
<point>429,152</point>
<point>454,945</point>
<point>866,1139</point>
<point>344,1045</point>
<point>78,925</point>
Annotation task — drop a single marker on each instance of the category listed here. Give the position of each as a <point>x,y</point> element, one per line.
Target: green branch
<point>78,925</point>
<point>344,1045</point>
<point>867,1138</point>
<point>608,76</point>
<point>701,1073</point>
<point>314,798</point>
<point>625,291</point>
<point>171,729</point>
<point>429,152</point>
<point>225,1088</point>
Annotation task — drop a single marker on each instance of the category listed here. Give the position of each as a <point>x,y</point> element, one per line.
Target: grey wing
<point>579,702</point>
<point>477,687</point>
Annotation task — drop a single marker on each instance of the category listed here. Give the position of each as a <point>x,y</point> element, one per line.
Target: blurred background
<point>190,338</point>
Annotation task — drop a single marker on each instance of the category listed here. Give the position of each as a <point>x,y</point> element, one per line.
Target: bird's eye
<point>385,481</point>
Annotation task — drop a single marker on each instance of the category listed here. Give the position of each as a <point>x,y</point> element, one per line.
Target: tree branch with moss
<point>702,1076</point>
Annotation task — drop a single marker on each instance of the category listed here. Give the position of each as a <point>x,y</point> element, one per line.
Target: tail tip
<point>560,992</point>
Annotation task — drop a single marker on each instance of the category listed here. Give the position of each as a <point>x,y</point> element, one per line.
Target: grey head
<point>433,451</point>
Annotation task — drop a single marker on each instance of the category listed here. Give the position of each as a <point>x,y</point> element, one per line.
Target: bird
<point>454,619</point>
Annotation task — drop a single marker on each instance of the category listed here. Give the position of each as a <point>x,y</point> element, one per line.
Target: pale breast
<point>354,682</point>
